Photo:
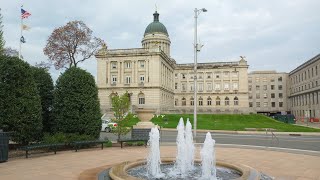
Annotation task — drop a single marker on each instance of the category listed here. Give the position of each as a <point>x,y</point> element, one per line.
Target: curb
<point>253,132</point>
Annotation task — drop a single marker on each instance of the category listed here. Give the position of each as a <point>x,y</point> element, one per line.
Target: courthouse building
<point>154,80</point>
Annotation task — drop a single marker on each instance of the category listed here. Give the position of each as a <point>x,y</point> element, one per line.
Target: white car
<point>107,125</point>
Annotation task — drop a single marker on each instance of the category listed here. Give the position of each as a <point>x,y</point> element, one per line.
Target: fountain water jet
<point>208,165</point>
<point>154,160</point>
<point>189,146</point>
<point>180,164</point>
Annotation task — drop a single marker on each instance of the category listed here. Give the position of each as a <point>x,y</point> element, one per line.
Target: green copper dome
<point>156,26</point>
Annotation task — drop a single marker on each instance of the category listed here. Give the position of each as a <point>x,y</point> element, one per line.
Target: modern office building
<point>304,89</point>
<point>268,92</point>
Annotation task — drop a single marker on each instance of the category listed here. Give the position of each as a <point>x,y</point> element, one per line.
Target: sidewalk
<point>68,165</point>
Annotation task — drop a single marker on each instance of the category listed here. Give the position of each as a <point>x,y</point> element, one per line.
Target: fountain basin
<point>119,172</point>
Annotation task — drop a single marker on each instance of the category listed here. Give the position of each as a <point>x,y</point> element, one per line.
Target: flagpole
<point>20,35</point>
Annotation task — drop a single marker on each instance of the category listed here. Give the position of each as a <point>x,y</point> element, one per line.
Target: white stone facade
<point>304,91</point>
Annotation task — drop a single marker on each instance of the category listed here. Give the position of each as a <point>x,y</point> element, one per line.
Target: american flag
<point>24,14</point>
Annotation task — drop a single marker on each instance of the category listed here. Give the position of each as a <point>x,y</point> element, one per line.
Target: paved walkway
<point>69,165</point>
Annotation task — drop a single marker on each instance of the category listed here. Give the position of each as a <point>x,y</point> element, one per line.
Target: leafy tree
<point>2,41</point>
<point>76,107</point>
<point>71,44</point>
<point>45,88</point>
<point>20,104</point>
<point>120,108</point>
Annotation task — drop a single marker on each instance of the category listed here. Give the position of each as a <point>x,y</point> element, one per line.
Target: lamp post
<point>197,48</point>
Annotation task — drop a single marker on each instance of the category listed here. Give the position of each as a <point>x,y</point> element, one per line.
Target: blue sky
<point>272,34</point>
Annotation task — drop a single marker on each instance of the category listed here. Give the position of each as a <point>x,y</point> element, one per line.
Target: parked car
<point>107,125</point>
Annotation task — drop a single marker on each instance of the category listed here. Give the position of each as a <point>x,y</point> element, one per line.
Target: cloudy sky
<point>272,34</point>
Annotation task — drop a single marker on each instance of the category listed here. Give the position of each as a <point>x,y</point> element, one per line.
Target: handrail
<point>273,137</point>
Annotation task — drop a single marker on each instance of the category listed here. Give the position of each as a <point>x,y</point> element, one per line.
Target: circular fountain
<point>183,166</point>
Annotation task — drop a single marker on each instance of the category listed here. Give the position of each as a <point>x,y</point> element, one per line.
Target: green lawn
<point>234,122</point>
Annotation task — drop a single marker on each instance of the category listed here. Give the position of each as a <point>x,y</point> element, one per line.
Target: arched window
<point>200,101</point>
<point>226,101</point>
<point>176,102</point>
<point>184,102</point>
<point>218,101</point>
<point>209,101</point>
<point>141,98</point>
<point>236,101</point>
<point>192,101</point>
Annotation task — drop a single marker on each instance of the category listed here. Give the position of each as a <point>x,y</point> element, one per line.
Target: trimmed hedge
<point>76,107</point>
<point>20,104</point>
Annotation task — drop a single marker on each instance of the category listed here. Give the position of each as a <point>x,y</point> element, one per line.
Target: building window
<point>176,75</point>
<point>258,104</point>
<point>264,80</point>
<point>141,64</point>
<point>200,76</point>
<point>258,96</point>
<point>218,101</point>
<point>208,76</point>
<point>176,102</point>
<point>217,75</point>
<point>272,87</point>
<point>114,65</point>
<point>265,87</point>
<point>200,101</point>
<point>128,79</point>
<point>184,87</point>
<point>209,101</point>
<point>141,98</point>
<point>280,87</point>
<point>209,86</point>
<point>250,80</point>
<point>235,86</point>
<point>141,78</point>
<point>236,101</point>
<point>192,101</point>
<point>280,95</point>
<point>226,101</point>
<point>272,79</point>
<point>265,104</point>
<point>184,102</point>
<point>217,86</point>
<point>279,79</point>
<point>226,74</point>
<point>200,88</point>
<point>191,87</point>
<point>273,104</point>
<point>250,87</point>
<point>114,79</point>
<point>250,104</point>
<point>257,79</point>
<point>272,95</point>
<point>226,86</point>
<point>175,85</point>
<point>127,64</point>
<point>257,87</point>
<point>280,104</point>
<point>183,76</point>
<point>250,96</point>
<point>265,96</point>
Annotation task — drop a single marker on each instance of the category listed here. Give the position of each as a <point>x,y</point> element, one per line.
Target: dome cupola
<point>156,26</point>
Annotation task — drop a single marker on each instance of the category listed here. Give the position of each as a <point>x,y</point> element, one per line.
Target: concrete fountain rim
<point>119,171</point>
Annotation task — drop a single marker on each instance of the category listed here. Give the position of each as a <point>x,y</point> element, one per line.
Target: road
<point>311,143</point>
